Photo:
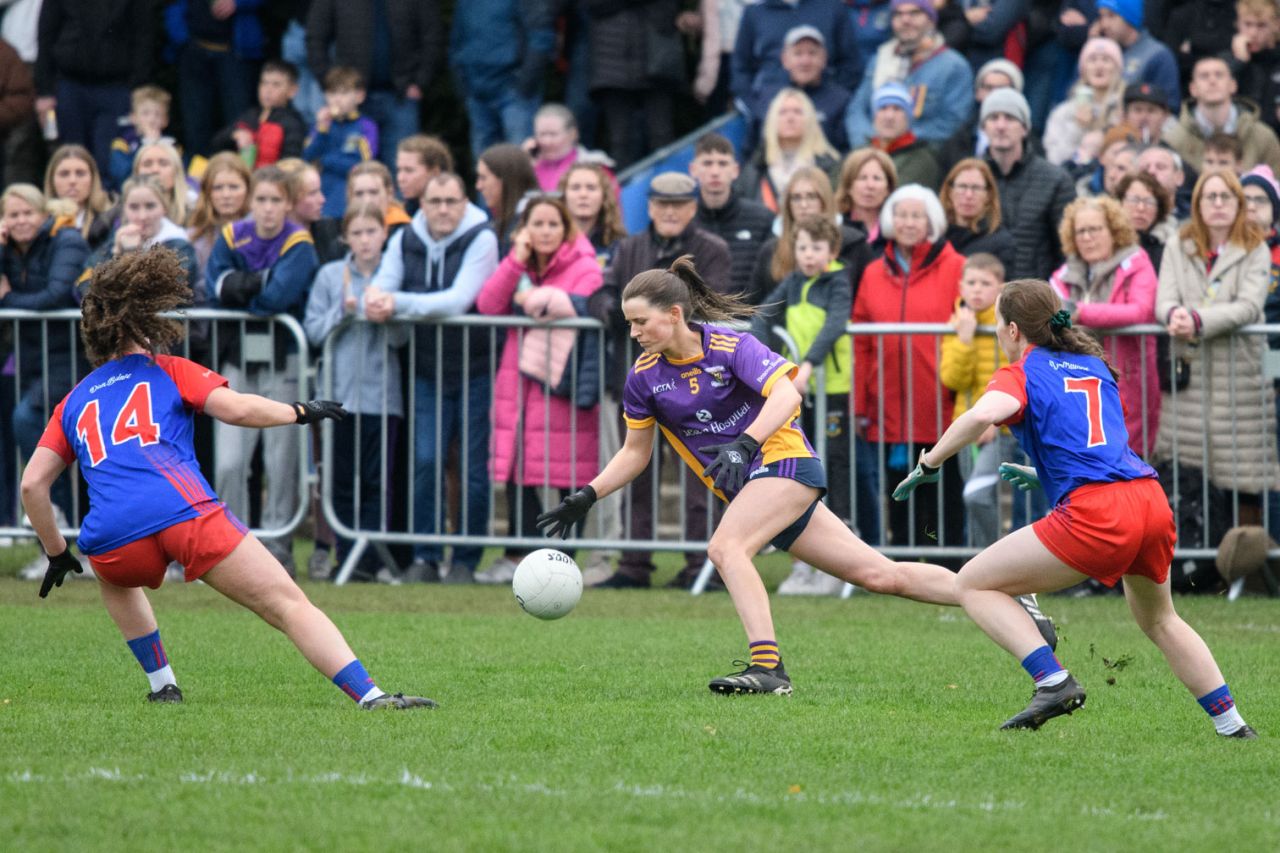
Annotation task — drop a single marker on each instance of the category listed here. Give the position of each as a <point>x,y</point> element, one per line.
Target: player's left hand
<point>60,566</point>
<point>922,473</point>
<point>317,410</point>
<point>729,469</point>
<point>559,521</point>
<point>1023,476</point>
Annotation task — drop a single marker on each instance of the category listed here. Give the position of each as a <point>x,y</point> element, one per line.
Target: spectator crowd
<point>901,160</point>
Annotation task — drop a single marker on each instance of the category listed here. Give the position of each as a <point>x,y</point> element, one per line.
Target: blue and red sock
<point>356,683</point>
<point>1221,708</point>
<point>151,656</point>
<point>1043,667</point>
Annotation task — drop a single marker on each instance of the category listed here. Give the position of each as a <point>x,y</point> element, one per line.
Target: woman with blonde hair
<point>72,174</point>
<point>1074,131</point>
<point>588,193</point>
<point>1107,282</point>
<point>1218,410</point>
<point>224,198</point>
<point>867,179</point>
<point>792,138</point>
<point>971,201</point>
<point>163,160</point>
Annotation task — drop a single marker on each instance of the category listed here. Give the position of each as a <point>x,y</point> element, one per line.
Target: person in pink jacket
<point>541,438</point>
<point>1107,282</point>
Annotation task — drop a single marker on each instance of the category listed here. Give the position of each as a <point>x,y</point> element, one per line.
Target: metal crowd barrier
<point>247,341</point>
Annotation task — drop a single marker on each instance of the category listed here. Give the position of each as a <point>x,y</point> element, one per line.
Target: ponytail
<point>681,285</point>
<point>1037,310</point>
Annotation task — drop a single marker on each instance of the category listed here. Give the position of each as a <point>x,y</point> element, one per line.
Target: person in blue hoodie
<point>499,50</point>
<point>435,268</point>
<point>264,265</point>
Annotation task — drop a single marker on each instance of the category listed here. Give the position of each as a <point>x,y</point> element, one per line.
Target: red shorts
<point>1108,530</point>
<point>198,544</point>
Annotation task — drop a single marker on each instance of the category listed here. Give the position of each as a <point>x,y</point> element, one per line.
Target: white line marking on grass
<point>409,779</point>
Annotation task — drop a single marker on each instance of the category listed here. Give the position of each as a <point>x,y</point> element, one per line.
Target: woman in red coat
<point>898,399</point>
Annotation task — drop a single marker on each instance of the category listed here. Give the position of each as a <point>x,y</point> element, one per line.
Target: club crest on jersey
<point>716,372</point>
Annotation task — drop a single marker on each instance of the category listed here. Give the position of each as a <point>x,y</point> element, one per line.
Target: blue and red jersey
<point>1071,422</point>
<point>129,424</point>
<point>711,398</point>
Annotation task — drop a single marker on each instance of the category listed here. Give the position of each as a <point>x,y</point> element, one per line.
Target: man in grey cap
<point>757,53</point>
<point>804,58</point>
<point>1033,191</point>
<point>672,232</point>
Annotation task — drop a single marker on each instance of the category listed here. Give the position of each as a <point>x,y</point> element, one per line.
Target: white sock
<point>374,693</point>
<point>1052,679</point>
<point>1228,721</point>
<point>161,677</point>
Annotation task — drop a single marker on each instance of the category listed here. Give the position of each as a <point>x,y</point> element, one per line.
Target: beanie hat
<point>1263,178</point>
<point>1130,10</point>
<point>1007,101</point>
<point>1003,66</point>
<point>925,6</point>
<point>1104,46</point>
<point>892,93</point>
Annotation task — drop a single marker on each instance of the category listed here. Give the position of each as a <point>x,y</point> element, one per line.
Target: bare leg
<point>1188,655</point>
<point>252,577</point>
<point>762,510</point>
<point>1016,565</point>
<point>829,545</point>
<point>129,609</point>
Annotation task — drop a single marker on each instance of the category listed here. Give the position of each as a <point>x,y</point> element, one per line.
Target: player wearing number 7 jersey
<point>1110,519</point>
<point>129,424</point>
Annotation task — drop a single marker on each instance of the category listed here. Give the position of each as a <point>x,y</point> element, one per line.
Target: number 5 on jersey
<point>1091,388</point>
<point>133,421</point>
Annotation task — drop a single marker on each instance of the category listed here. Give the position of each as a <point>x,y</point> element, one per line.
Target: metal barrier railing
<point>268,348</point>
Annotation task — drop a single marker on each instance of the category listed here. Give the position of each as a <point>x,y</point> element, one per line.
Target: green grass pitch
<point>597,732</point>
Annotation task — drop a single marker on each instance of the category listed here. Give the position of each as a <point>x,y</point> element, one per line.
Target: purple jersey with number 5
<point>1071,422</point>
<point>712,398</point>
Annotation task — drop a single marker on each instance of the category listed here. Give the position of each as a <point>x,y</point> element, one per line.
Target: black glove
<point>729,468</point>
<point>239,288</point>
<point>317,410</point>
<point>59,566</point>
<point>559,521</point>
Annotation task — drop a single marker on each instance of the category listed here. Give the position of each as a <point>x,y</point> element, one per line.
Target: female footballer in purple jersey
<point>728,406</point>
<point>129,424</point>
<point>1110,520</point>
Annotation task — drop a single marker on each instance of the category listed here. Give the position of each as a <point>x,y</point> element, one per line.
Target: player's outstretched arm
<point>992,408</point>
<point>251,410</point>
<point>625,466</point>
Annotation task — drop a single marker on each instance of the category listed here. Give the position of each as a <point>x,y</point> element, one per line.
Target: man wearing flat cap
<point>672,232</point>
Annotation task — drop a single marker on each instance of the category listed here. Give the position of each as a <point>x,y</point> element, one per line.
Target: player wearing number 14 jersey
<point>129,425</point>
<point>1110,519</point>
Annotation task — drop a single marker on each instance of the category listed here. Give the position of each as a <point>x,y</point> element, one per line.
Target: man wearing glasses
<point>435,268</point>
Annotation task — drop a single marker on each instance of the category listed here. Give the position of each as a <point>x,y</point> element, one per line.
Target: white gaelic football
<point>547,584</point>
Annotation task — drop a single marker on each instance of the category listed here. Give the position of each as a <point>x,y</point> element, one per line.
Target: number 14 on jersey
<point>134,421</point>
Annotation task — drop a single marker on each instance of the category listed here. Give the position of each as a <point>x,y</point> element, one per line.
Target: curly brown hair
<point>1122,233</point>
<point>125,299</point>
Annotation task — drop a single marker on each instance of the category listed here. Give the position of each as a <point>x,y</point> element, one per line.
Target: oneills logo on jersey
<point>723,343</point>
<point>645,361</point>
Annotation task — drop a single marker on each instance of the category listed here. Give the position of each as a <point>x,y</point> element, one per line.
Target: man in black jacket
<point>355,32</point>
<point>672,233</point>
<point>1033,191</point>
<point>92,53</point>
<point>743,224</point>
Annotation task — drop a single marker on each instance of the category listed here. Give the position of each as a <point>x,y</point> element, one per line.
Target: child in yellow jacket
<point>968,360</point>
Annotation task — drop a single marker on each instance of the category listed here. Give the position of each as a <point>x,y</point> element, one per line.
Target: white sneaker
<point>825,584</point>
<point>502,571</point>
<point>34,570</point>
<point>799,581</point>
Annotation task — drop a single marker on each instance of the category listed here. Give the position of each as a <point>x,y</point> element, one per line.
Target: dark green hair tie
<point>1060,320</point>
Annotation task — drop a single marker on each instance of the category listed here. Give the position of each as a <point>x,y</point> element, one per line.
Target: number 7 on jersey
<point>134,421</point>
<point>1091,388</point>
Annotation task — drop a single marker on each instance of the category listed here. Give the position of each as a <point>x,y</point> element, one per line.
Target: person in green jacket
<point>814,302</point>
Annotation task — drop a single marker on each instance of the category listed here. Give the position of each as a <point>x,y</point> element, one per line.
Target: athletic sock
<point>1043,667</point>
<point>155,663</point>
<point>765,653</point>
<point>1221,708</point>
<point>356,683</point>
